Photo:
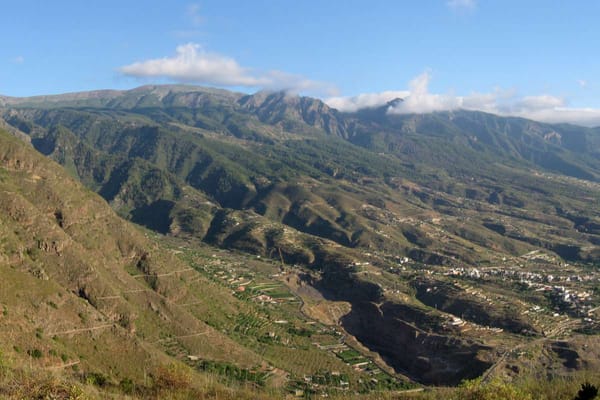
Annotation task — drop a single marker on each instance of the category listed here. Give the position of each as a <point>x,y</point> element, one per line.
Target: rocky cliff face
<point>430,358</point>
<point>287,110</point>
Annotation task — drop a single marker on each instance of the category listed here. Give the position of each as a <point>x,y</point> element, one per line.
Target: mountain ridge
<point>204,154</point>
<point>164,89</point>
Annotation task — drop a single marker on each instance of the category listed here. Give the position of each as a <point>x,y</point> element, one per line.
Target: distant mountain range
<point>155,151</point>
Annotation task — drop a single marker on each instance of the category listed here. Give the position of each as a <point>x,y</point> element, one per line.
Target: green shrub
<point>127,386</point>
<point>96,379</point>
<point>494,390</point>
<point>587,392</point>
<point>172,376</point>
<point>35,353</point>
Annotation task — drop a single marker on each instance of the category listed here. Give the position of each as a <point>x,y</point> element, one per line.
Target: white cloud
<point>583,83</point>
<point>492,102</point>
<point>578,116</point>
<point>421,101</point>
<point>192,64</point>
<point>536,103</point>
<point>418,100</point>
<point>365,100</point>
<point>18,60</point>
<point>462,4</point>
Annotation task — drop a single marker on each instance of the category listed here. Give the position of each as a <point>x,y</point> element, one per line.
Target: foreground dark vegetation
<point>176,381</point>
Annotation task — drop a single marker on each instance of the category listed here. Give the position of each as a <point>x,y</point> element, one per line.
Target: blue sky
<point>533,58</point>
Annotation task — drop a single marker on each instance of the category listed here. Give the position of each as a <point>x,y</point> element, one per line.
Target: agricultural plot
<point>251,324</point>
<point>242,297</point>
<point>232,373</point>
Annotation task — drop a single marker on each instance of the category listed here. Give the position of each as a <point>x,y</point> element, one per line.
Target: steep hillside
<point>88,295</point>
<point>80,286</point>
<point>295,160</point>
<point>459,235</point>
<point>483,139</point>
<point>92,306</point>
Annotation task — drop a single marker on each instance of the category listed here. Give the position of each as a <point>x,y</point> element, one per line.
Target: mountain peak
<point>394,102</point>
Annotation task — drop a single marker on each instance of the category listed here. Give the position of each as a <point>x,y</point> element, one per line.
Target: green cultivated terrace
<point>185,242</point>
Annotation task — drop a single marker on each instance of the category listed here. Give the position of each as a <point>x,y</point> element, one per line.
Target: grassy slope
<point>86,296</point>
<point>73,293</point>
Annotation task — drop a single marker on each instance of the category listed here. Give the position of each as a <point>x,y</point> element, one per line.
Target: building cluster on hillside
<point>565,297</point>
<point>577,302</point>
<point>522,276</point>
